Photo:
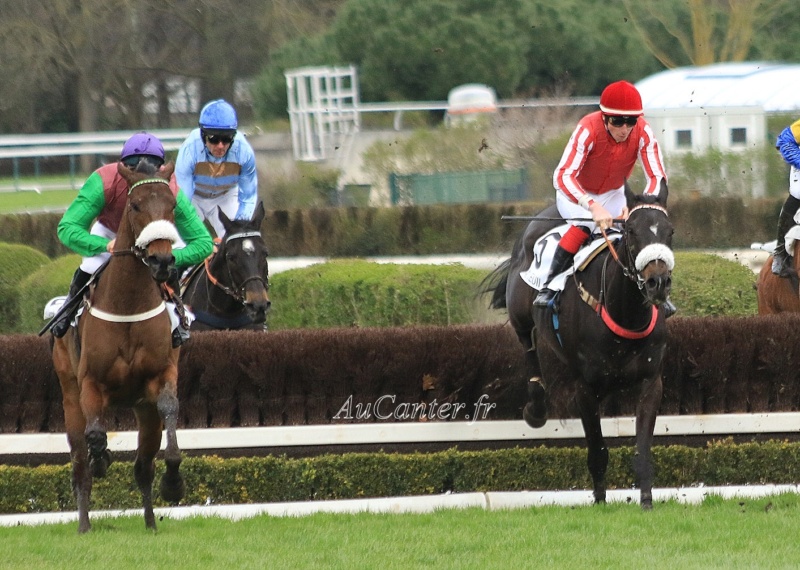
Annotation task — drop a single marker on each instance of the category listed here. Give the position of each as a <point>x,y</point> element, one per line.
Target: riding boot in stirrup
<point>181,332</point>
<point>781,259</point>
<point>561,261</point>
<point>61,326</point>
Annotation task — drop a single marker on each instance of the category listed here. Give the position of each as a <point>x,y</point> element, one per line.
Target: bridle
<point>236,292</point>
<point>629,268</point>
<point>139,249</point>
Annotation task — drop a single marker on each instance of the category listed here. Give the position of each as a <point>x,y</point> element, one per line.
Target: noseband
<point>237,293</point>
<point>634,266</point>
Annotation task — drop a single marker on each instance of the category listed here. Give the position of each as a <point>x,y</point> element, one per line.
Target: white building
<point>721,106</point>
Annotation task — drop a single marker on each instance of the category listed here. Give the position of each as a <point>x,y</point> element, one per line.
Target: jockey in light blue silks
<point>217,167</point>
<point>788,144</point>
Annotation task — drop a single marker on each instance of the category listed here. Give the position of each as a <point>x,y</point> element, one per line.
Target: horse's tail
<point>495,283</point>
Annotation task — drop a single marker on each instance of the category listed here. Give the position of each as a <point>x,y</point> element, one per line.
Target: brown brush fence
<point>301,377</point>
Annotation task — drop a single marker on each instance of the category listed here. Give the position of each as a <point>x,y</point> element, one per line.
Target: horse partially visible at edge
<point>231,290</point>
<point>609,332</point>
<point>121,354</point>
<point>780,294</point>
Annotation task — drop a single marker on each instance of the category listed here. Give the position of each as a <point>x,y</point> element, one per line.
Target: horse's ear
<point>258,214</point>
<point>126,173</point>
<point>630,197</point>
<point>226,221</point>
<point>167,170</point>
<point>663,193</point>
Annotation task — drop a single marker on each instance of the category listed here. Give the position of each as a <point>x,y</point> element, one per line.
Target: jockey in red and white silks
<point>590,178</point>
<point>594,167</point>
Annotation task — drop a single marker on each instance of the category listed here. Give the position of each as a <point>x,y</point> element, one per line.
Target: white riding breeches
<point>613,201</point>
<point>207,208</point>
<point>794,182</point>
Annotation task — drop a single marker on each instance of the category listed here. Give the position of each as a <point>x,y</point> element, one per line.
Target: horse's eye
<point>135,207</point>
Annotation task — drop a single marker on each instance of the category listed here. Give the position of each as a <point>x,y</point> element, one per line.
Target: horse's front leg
<point>646,410</point>
<point>172,487</point>
<point>597,452</point>
<point>93,407</point>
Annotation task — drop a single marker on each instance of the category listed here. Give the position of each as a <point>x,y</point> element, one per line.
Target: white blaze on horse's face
<point>248,246</point>
<point>654,229</point>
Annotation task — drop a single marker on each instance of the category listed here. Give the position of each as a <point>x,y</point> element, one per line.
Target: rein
<point>599,305</point>
<point>237,295</point>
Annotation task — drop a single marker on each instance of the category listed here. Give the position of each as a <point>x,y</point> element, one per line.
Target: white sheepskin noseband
<point>160,229</point>
<point>653,252</point>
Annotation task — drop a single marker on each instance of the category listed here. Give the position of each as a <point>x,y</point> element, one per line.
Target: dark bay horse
<point>609,332</point>
<point>231,291</point>
<point>121,354</point>
<point>779,294</point>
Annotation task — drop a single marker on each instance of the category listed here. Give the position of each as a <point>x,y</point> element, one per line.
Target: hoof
<point>172,489</point>
<point>535,411</point>
<point>99,463</point>
<point>532,418</point>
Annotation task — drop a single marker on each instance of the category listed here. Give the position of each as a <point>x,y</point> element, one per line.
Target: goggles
<point>216,139</point>
<point>133,161</point>
<point>619,120</point>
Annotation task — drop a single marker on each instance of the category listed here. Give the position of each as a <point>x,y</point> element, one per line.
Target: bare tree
<point>701,31</point>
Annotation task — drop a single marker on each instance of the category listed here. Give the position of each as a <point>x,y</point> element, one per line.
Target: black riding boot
<point>79,280</point>
<point>781,259</point>
<point>561,261</point>
<point>181,333</point>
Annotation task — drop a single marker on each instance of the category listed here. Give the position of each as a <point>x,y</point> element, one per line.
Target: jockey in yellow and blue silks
<point>217,167</point>
<point>788,144</point>
<point>89,226</point>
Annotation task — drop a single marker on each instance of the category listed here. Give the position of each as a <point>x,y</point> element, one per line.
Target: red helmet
<point>621,98</point>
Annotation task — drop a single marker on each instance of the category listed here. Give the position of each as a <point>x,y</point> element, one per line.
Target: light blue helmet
<point>218,115</point>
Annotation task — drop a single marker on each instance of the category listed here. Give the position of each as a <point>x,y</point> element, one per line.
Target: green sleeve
<point>193,232</point>
<point>73,229</point>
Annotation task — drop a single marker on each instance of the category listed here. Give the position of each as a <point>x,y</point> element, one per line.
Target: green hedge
<point>16,263</point>
<point>47,488</point>
<point>361,293</point>
<point>710,222</point>
<point>40,286</point>
<point>352,292</point>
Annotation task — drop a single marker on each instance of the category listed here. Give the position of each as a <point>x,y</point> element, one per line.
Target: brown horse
<point>121,353</point>
<point>607,332</point>
<point>779,294</point>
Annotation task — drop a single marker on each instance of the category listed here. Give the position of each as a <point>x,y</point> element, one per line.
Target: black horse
<point>608,332</point>
<point>231,291</point>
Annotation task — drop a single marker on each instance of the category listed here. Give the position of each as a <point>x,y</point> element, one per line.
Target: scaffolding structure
<point>323,110</point>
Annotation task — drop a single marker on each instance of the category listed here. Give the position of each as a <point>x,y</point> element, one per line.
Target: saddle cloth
<point>544,249</point>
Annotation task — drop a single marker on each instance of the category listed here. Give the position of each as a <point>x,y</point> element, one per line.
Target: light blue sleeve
<point>184,166</point>
<point>248,182</point>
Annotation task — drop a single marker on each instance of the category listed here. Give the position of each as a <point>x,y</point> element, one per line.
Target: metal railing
<point>73,145</point>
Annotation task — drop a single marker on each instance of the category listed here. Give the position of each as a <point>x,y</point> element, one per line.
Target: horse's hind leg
<point>535,411</point>
<point>646,410</point>
<point>75,424</point>
<point>597,452</point>
<point>172,486</point>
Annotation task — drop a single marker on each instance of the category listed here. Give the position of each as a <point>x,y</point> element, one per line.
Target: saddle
<point>544,248</point>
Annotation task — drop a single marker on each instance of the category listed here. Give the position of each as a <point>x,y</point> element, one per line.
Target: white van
<point>469,102</point>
